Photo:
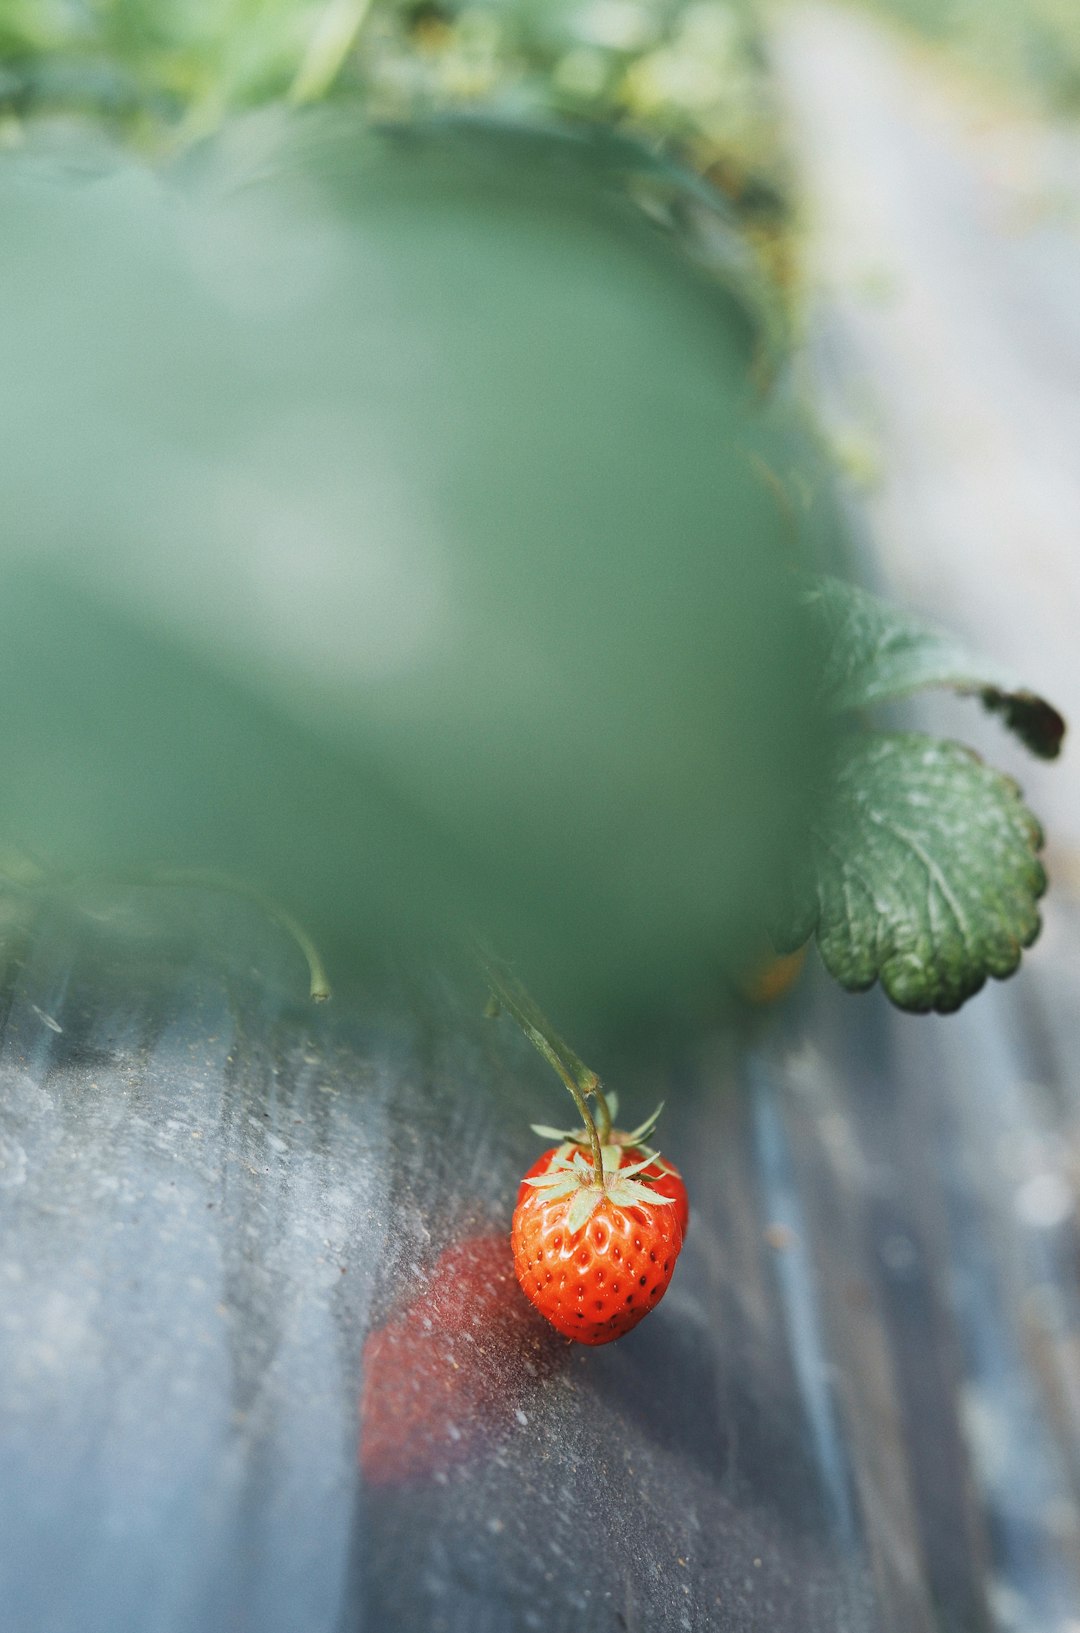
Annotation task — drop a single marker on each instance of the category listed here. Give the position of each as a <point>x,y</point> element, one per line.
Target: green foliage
<point>688,77</point>
<point>686,71</point>
<point>392,518</point>
<point>689,72</point>
<point>922,868</point>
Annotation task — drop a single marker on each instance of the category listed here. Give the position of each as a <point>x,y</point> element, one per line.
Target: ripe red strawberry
<point>445,1377</point>
<point>661,1175</point>
<point>594,1256</point>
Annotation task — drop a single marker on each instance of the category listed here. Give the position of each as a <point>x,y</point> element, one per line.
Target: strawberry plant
<point>401,507</point>
<point>516,694</point>
<point>921,868</point>
<point>921,871</point>
<point>598,1223</point>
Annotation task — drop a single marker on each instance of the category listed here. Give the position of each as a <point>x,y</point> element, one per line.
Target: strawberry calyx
<point>579,1138</point>
<point>574,1175</point>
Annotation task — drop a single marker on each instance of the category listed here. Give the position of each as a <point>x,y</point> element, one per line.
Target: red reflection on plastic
<point>451,1374</point>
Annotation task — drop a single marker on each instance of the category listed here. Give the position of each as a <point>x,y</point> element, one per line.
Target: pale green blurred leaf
<point>386,523</point>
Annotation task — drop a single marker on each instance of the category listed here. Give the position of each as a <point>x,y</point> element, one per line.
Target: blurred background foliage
<point>1030,46</point>
<point>689,76</point>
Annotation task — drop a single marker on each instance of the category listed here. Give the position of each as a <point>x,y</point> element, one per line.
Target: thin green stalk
<point>210,879</point>
<point>579,1079</point>
<point>334,36</point>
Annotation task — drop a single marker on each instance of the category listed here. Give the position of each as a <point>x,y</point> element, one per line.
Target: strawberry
<point>662,1175</point>
<point>594,1256</point>
<point>445,1375</point>
<point>593,1250</point>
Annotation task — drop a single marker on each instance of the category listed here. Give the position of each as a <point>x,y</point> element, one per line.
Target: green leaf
<point>923,872</point>
<point>875,652</point>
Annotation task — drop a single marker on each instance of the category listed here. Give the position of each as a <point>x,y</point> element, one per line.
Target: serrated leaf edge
<point>1021,815</point>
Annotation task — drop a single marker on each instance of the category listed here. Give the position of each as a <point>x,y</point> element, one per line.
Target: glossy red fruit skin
<point>663,1176</point>
<point>598,1284</point>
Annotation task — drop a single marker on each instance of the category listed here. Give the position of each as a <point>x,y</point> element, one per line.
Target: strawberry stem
<point>579,1079</point>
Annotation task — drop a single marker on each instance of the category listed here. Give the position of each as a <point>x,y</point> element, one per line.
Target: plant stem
<point>210,879</point>
<point>581,1082</point>
<point>334,36</point>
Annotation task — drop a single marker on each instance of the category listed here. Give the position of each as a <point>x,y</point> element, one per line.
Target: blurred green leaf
<point>385,522</point>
